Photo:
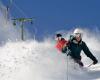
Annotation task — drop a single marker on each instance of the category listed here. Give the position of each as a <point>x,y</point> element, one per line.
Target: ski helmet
<point>77,32</point>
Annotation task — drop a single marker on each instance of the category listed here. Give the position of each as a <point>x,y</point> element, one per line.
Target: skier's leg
<point>79,62</point>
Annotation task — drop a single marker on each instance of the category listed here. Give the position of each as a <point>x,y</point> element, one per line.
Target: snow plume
<point>32,60</point>
<point>7,30</point>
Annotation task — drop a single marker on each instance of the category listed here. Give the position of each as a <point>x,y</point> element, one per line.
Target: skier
<point>75,45</point>
<point>61,42</point>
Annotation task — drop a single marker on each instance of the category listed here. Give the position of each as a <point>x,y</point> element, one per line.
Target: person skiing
<point>76,45</point>
<point>61,42</point>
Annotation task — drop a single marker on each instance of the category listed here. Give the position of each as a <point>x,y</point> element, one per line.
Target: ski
<point>89,65</point>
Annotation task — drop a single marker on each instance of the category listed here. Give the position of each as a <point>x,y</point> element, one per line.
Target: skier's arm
<point>88,53</point>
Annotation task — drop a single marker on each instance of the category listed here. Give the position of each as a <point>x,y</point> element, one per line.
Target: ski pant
<point>78,61</point>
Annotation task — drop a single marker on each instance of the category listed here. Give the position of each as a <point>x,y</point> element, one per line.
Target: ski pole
<point>67,67</point>
<point>67,62</point>
<point>90,65</point>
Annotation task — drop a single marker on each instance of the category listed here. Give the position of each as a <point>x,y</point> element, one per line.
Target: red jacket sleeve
<point>60,44</point>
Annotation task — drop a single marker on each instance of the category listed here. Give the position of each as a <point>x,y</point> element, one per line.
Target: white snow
<point>32,60</point>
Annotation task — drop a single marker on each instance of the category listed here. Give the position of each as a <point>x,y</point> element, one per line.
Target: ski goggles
<point>77,35</point>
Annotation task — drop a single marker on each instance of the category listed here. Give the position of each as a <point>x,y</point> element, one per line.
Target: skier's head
<point>58,36</point>
<point>77,34</point>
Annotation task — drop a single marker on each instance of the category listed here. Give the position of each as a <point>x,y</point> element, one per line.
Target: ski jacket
<point>61,43</point>
<point>76,49</point>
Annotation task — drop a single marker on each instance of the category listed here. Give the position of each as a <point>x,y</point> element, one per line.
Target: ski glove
<point>95,62</point>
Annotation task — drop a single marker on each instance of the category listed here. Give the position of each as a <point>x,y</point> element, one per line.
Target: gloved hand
<point>95,62</point>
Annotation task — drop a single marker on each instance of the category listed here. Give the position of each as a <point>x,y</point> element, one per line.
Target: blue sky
<point>54,15</point>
